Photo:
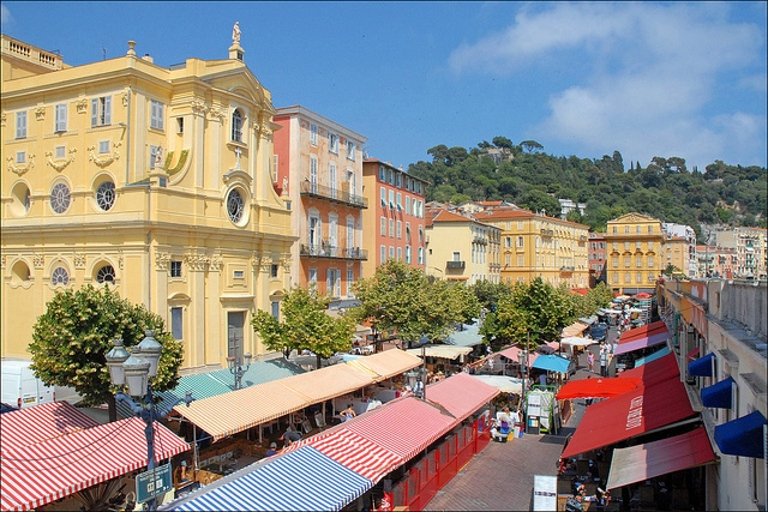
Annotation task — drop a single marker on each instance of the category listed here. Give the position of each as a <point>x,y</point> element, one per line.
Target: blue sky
<point>647,79</point>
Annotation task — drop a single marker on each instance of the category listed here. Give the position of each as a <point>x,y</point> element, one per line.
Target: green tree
<point>305,325</point>
<point>489,294</point>
<point>70,341</point>
<point>535,309</point>
<point>531,146</point>
<point>538,201</point>
<point>399,299</point>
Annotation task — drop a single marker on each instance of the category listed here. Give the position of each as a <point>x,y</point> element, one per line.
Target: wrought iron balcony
<point>335,195</point>
<point>481,240</point>
<point>547,232</point>
<point>326,250</point>
<point>455,265</point>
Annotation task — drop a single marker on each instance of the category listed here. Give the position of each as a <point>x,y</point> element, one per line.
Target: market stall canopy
<point>35,424</point>
<point>656,371</point>
<point>597,387</point>
<point>386,364</point>
<point>552,363</point>
<point>652,357</point>
<point>461,394</point>
<point>468,337</point>
<point>658,458</point>
<point>329,382</point>
<point>574,329</point>
<point>630,414</point>
<point>513,354</point>
<point>333,486</point>
<point>502,383</point>
<point>640,343</point>
<point>644,331</point>
<point>40,473</point>
<point>578,341</point>
<point>442,351</point>
<point>742,436</point>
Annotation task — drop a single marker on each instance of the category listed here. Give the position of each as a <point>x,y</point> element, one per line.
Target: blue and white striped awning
<point>303,479</point>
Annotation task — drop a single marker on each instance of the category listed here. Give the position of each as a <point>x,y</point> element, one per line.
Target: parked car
<point>21,388</point>
<point>598,331</point>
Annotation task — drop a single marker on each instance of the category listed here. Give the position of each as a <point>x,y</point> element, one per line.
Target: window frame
<point>60,118</point>
<point>175,269</point>
<point>101,111</point>
<point>157,115</point>
<point>21,124</point>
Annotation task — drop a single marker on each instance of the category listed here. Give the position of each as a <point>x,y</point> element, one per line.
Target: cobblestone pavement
<point>501,476</point>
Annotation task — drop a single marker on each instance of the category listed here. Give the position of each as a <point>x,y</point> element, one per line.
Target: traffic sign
<point>153,483</point>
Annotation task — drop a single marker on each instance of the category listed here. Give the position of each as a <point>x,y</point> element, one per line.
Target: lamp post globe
<point>115,359</point>
<point>150,350</point>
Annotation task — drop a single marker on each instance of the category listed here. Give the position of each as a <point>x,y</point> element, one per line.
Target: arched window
<point>60,276</point>
<point>237,126</point>
<point>106,274</point>
<point>105,195</point>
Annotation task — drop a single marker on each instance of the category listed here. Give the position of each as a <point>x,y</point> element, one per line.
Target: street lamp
<point>235,366</point>
<point>133,369</point>
<point>417,379</point>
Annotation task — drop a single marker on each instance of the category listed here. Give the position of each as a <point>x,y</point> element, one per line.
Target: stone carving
<point>104,161</point>
<point>40,113</point>
<point>82,106</point>
<point>21,168</point>
<point>236,33</point>
<point>198,108</point>
<point>159,157</point>
<point>38,260</point>
<point>59,165</point>
<point>197,262</point>
<point>124,98</point>
<point>2,120</point>
<point>215,263</point>
<point>79,260</point>
<point>162,260</point>
<point>216,114</point>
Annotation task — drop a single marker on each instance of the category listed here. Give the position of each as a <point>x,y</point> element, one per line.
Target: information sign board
<point>153,483</point>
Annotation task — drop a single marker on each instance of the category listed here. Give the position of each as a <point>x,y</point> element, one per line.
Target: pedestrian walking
<point>603,362</point>
<point>591,362</point>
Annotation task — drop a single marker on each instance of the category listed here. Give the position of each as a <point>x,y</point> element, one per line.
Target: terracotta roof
<point>446,216</point>
<point>505,213</point>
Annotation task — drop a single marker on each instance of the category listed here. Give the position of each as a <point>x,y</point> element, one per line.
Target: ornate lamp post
<point>417,379</point>
<point>133,369</point>
<point>235,365</point>
<point>523,360</point>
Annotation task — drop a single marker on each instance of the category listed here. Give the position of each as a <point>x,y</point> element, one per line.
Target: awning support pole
<point>195,449</point>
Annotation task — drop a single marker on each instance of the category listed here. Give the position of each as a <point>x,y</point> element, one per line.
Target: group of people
<point>503,424</point>
<point>605,356</point>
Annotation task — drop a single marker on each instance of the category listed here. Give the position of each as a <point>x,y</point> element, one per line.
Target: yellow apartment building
<point>635,253</point>
<point>534,245</point>
<point>460,248</point>
<point>676,254</point>
<point>153,180</point>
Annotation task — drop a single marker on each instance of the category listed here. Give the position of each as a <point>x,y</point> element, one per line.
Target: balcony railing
<point>311,189</point>
<point>326,250</point>
<point>455,265</point>
<point>481,240</point>
<point>547,232</point>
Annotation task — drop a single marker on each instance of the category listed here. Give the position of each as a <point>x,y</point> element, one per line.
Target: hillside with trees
<point>523,174</point>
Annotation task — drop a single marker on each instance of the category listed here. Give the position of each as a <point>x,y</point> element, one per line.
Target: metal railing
<point>311,189</point>
<point>326,250</point>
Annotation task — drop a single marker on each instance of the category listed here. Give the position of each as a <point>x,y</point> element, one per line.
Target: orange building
<point>596,254</point>
<point>394,222</point>
<point>318,167</point>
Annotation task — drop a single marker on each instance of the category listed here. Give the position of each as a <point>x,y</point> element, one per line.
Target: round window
<point>235,206</point>
<point>60,198</point>
<point>60,276</point>
<point>105,195</point>
<point>106,274</point>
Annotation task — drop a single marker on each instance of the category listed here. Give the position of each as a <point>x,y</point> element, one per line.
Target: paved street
<point>501,476</point>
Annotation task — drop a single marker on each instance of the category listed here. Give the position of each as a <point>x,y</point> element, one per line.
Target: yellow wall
<point>174,213</point>
<point>635,255</point>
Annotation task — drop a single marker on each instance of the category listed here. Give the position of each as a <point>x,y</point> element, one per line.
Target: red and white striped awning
<point>461,395</point>
<point>46,421</point>
<point>35,475</point>
<point>404,427</point>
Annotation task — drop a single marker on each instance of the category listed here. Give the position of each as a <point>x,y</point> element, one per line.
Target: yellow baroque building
<point>534,245</point>
<point>635,249</point>
<point>155,181</point>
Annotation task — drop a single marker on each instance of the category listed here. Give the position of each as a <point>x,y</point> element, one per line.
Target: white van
<point>21,388</point>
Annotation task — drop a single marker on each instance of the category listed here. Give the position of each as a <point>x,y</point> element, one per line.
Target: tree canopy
<point>401,300</point>
<point>665,188</point>
<point>70,341</point>
<point>305,325</point>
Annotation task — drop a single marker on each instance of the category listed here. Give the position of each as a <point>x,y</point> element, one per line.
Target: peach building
<point>394,222</point>
<point>319,167</point>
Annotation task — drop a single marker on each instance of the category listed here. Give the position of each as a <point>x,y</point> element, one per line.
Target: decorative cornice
<point>59,165</point>
<point>197,262</point>
<point>216,114</point>
<point>105,160</point>
<point>162,259</point>
<point>23,168</point>
<point>215,263</point>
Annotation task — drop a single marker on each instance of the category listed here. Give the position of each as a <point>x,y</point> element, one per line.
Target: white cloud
<point>5,16</point>
<point>650,73</point>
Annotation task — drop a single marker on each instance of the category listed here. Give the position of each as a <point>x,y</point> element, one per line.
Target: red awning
<point>461,395</point>
<point>630,414</point>
<point>597,388</point>
<point>46,421</point>
<point>659,370</point>
<point>512,353</point>
<point>643,331</point>
<point>693,353</point>
<point>649,460</point>
<point>404,427</point>
<point>643,342</point>
<point>35,475</point>
<point>354,451</point>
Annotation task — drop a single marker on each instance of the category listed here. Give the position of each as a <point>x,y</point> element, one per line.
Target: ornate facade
<point>155,181</point>
<point>634,252</point>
